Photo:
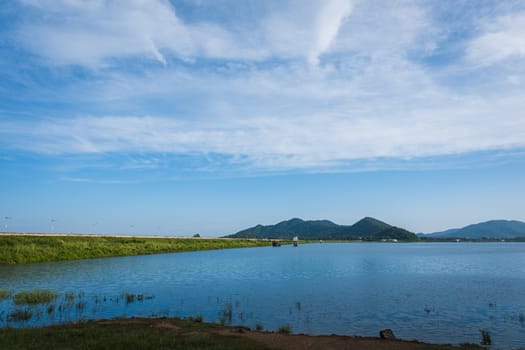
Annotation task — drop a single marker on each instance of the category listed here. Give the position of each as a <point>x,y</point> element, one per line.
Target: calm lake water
<point>435,292</point>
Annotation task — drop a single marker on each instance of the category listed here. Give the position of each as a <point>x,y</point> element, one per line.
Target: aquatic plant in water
<point>130,298</point>
<point>197,319</point>
<point>485,337</point>
<point>4,294</point>
<point>37,296</point>
<point>285,329</point>
<point>19,315</point>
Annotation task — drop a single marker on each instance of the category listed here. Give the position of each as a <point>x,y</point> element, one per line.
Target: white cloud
<point>312,141</point>
<point>93,34</point>
<point>305,29</point>
<point>312,85</point>
<point>328,23</point>
<point>502,39</point>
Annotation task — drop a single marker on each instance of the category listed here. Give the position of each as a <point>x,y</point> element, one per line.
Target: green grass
<point>4,294</point>
<point>285,329</point>
<point>17,249</point>
<point>37,296</point>
<point>130,335</point>
<point>164,333</point>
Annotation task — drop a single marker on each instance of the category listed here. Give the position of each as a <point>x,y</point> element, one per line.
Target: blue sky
<point>177,117</point>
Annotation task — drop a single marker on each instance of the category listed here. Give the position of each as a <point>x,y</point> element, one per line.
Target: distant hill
<point>491,229</point>
<point>366,229</point>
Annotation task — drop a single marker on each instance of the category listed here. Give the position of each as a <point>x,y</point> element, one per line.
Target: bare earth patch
<point>333,342</point>
<point>290,341</point>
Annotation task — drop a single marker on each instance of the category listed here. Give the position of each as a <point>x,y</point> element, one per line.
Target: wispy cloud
<point>95,34</point>
<point>503,38</point>
<point>273,142</point>
<point>96,181</point>
<point>296,85</point>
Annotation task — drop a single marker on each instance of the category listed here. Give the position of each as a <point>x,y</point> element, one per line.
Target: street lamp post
<point>6,219</point>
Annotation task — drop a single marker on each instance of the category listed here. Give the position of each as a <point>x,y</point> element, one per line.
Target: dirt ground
<point>335,342</point>
<point>308,342</point>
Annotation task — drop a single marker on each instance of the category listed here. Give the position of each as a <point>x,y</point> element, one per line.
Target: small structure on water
<point>296,241</point>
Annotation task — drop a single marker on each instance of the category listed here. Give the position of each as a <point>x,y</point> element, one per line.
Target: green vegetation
<point>366,229</point>
<point>227,314</point>
<point>172,333</point>
<point>37,296</point>
<point>130,298</point>
<point>125,334</point>
<point>285,329</point>
<point>4,294</point>
<point>19,315</point>
<point>485,337</point>
<point>489,230</point>
<point>20,249</point>
<point>197,319</point>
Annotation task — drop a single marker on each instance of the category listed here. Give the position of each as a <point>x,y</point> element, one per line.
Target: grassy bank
<point>23,249</point>
<point>186,334</point>
<point>126,334</point>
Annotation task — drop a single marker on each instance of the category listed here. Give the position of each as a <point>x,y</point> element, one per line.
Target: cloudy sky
<point>176,117</point>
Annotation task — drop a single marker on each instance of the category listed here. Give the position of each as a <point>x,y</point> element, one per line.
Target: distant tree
<point>196,235</point>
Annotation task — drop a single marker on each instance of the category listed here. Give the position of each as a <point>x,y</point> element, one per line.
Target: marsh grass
<point>19,315</point>
<point>139,334</point>
<point>130,298</point>
<point>285,329</point>
<point>5,294</point>
<point>227,314</point>
<point>30,249</point>
<point>81,305</point>
<point>485,337</point>
<point>298,306</point>
<point>197,319</point>
<point>37,296</point>
<point>69,297</point>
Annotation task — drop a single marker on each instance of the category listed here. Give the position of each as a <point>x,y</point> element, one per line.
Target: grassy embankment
<point>186,334</point>
<point>125,334</point>
<point>23,249</point>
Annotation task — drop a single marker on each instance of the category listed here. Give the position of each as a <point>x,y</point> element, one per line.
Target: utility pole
<point>6,219</point>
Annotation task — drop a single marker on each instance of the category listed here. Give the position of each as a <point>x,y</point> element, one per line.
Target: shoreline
<point>138,333</point>
<point>22,248</point>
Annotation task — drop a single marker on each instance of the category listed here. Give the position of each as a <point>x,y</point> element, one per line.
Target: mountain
<point>290,228</point>
<point>490,229</point>
<point>368,226</point>
<point>366,229</point>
